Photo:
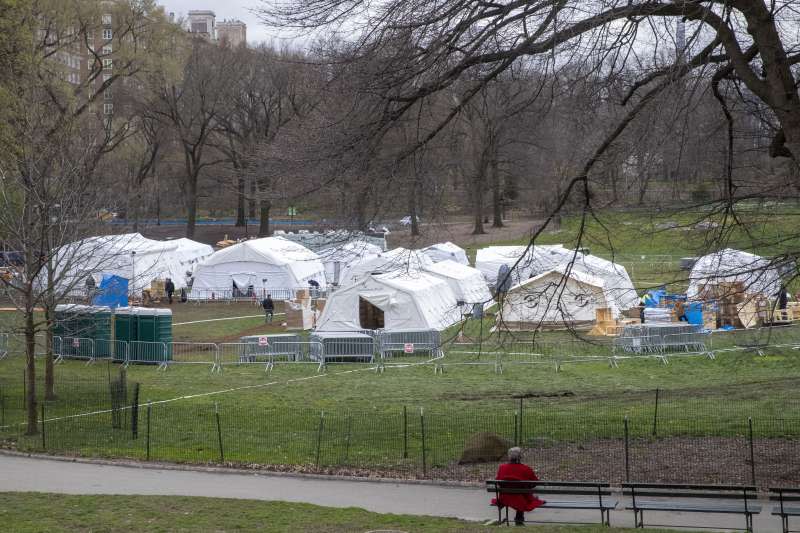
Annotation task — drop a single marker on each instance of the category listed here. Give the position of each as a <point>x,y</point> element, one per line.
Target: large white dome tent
<point>130,256</point>
<point>271,265</point>
<point>395,260</point>
<point>392,301</point>
<point>338,259</point>
<point>557,298</point>
<point>446,251</point>
<point>467,283</point>
<point>536,260</point>
<point>756,274</point>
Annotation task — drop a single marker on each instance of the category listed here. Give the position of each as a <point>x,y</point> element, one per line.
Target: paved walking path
<point>19,473</point>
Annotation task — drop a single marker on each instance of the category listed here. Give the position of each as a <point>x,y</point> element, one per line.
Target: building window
<point>108,64</point>
<point>106,77</point>
<point>108,109</point>
<point>107,94</point>
<point>106,20</point>
<point>107,50</point>
<point>107,34</point>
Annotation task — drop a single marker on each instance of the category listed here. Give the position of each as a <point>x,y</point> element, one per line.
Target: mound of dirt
<point>484,448</point>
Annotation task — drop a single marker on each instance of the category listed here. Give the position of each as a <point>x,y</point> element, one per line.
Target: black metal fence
<point>651,436</point>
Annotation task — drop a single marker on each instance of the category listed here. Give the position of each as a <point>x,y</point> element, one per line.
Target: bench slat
<point>694,508</point>
<point>787,510</point>
<point>580,505</point>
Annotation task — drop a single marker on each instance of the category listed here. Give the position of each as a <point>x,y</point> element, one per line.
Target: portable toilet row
<point>147,331</point>
<point>82,321</point>
<point>79,323</point>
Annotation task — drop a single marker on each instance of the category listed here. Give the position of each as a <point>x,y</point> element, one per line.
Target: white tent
<point>267,265</point>
<point>130,256</point>
<point>467,283</point>
<point>401,300</point>
<point>446,251</point>
<point>755,273</point>
<point>554,299</point>
<point>542,259</point>
<point>617,283</point>
<point>337,259</point>
<point>537,260</point>
<point>396,260</point>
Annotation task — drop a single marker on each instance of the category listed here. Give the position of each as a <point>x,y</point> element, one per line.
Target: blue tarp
<point>112,292</point>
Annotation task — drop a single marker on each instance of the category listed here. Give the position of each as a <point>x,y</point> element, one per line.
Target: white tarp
<point>446,251</point>
<point>552,299</point>
<point>544,258</point>
<point>130,256</point>
<point>467,283</point>
<point>540,258</point>
<point>728,266</point>
<point>408,301</point>
<point>265,264</point>
<point>346,255</point>
<point>396,260</point>
<point>617,283</point>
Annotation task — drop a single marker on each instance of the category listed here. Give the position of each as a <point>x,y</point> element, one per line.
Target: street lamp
<point>133,275</point>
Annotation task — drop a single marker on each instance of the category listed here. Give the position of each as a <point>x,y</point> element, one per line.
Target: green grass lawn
<point>34,512</point>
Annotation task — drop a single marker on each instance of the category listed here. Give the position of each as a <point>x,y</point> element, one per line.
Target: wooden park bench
<point>592,495</point>
<point>737,500</point>
<point>788,504</point>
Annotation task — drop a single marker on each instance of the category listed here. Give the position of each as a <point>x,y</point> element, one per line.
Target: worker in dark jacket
<point>269,308</point>
<point>169,288</point>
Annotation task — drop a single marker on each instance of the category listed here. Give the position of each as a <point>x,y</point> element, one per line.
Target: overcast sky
<point>224,9</point>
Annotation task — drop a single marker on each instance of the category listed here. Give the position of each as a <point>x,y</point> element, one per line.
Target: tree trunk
<point>49,309</point>
<point>30,368</point>
<point>191,207</point>
<point>497,196</point>
<point>412,206</point>
<point>240,220</point>
<point>251,207</point>
<point>263,228</point>
<point>477,204</point>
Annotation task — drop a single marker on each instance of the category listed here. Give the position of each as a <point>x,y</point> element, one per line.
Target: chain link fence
<point>645,436</point>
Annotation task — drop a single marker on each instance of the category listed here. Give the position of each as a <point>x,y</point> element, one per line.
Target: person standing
<point>680,311</point>
<point>515,470</point>
<point>169,287</point>
<point>269,308</point>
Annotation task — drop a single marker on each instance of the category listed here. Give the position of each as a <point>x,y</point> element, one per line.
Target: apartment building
<point>233,32</point>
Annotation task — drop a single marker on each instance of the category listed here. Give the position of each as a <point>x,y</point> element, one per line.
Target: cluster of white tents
<point>130,256</point>
<point>431,288</point>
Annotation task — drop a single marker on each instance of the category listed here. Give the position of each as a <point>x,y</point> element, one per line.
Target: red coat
<point>518,502</point>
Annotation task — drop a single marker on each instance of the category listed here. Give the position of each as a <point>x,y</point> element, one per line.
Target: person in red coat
<point>514,470</point>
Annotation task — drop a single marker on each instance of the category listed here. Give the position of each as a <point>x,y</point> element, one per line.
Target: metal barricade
<point>3,345</point>
<point>111,349</point>
<point>282,351</point>
<point>406,343</point>
<point>342,347</point>
<point>73,348</point>
<point>689,343</point>
<point>199,353</point>
<point>146,352</point>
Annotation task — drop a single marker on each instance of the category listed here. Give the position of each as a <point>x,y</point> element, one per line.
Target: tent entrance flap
<point>369,316</point>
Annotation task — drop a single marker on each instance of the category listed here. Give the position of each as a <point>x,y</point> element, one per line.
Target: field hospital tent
<point>396,260</point>
<point>540,258</point>
<point>130,256</point>
<point>337,259</point>
<point>467,283</point>
<point>269,265</point>
<point>616,282</point>
<point>445,251</point>
<point>556,298</point>
<point>756,274</point>
<point>392,301</point>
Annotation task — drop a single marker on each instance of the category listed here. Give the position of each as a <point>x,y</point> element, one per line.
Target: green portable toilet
<point>124,328</point>
<point>101,330</point>
<point>163,329</point>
